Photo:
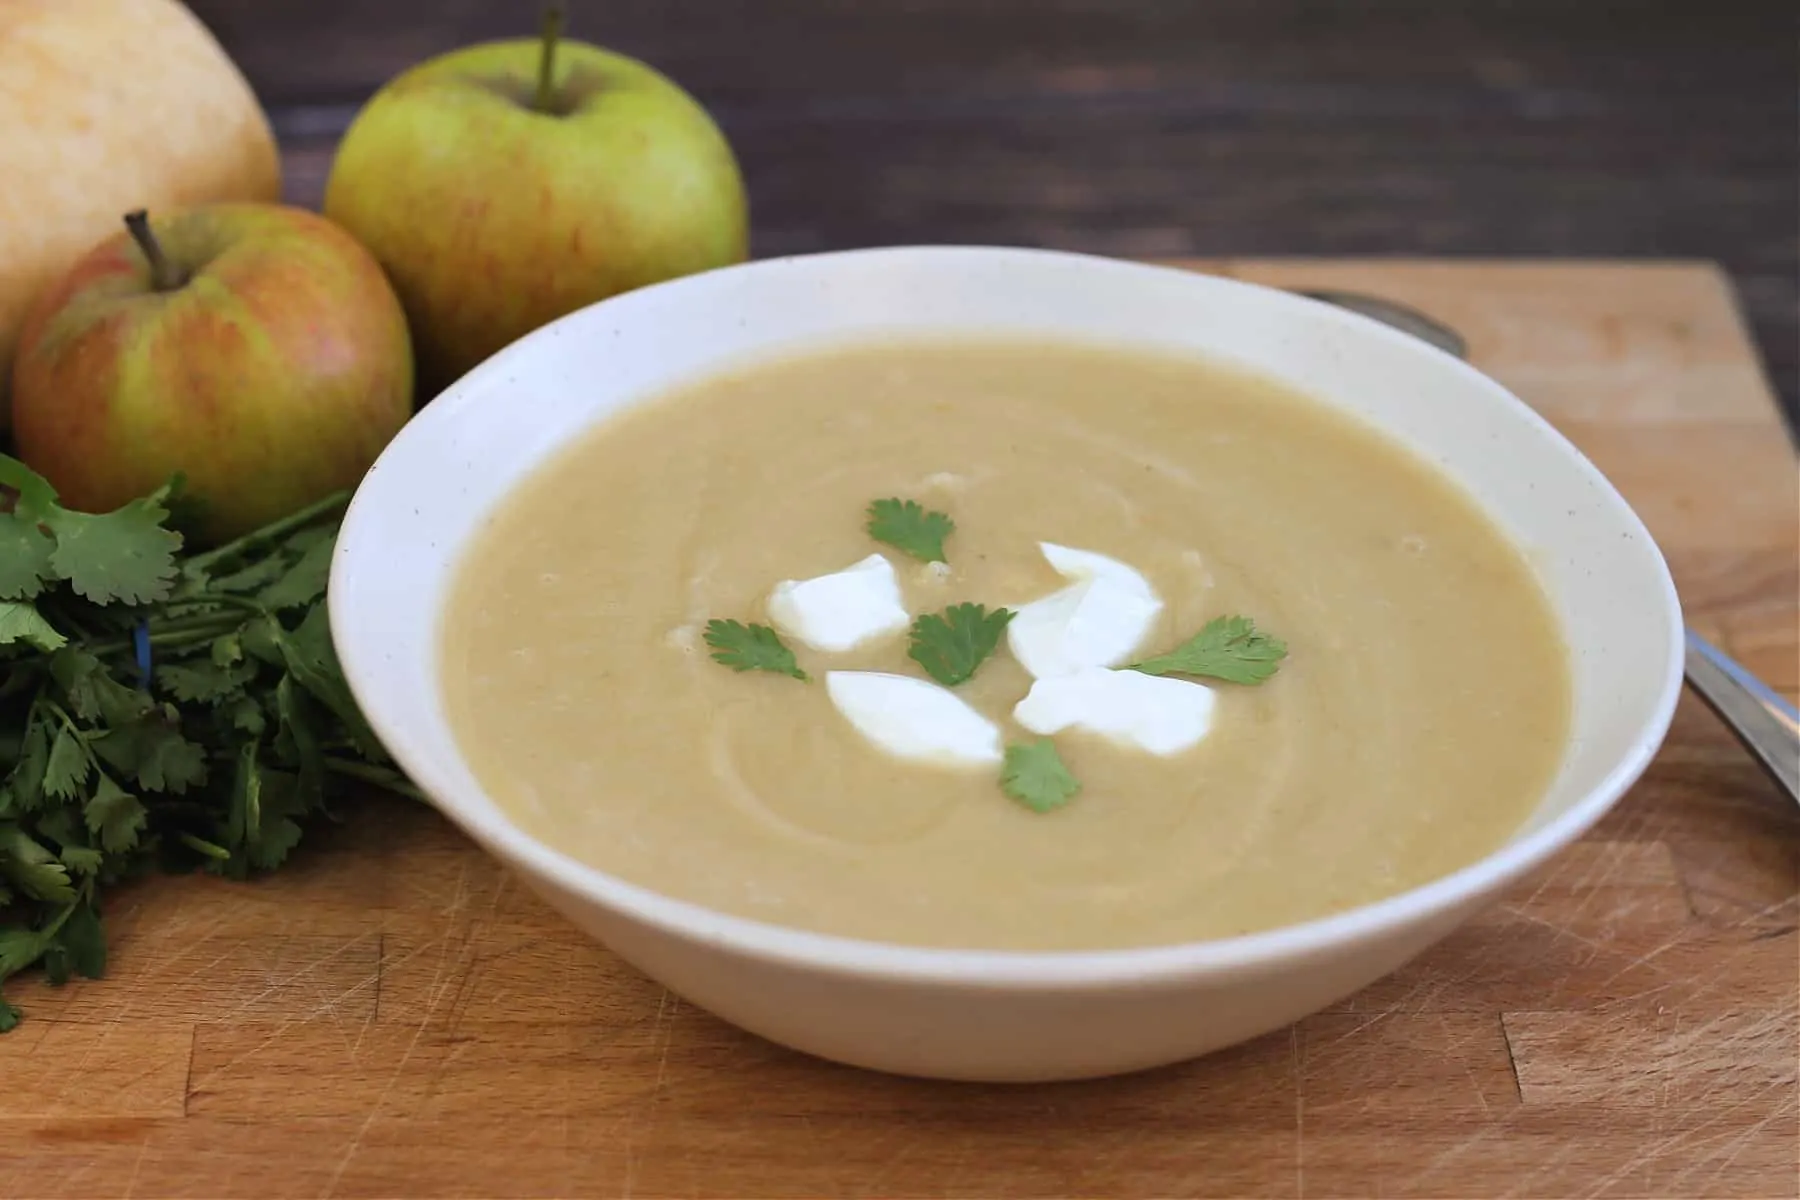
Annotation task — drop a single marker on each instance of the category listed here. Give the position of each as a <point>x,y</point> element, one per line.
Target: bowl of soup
<point>999,664</point>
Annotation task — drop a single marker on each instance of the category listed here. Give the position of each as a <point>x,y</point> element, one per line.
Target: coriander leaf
<point>227,650</point>
<point>68,767</point>
<point>1034,775</point>
<point>246,715</point>
<point>35,492</point>
<point>19,948</point>
<point>9,1015</point>
<point>24,557</point>
<point>751,648</point>
<point>152,750</point>
<point>311,659</point>
<point>32,868</point>
<point>114,815</point>
<point>57,825</point>
<point>174,763</point>
<point>261,639</point>
<point>1228,648</point>
<point>276,843</point>
<point>84,941</point>
<point>304,582</point>
<point>125,555</point>
<point>950,646</point>
<point>72,668</point>
<point>27,779</point>
<point>20,621</point>
<point>55,964</point>
<point>92,691</point>
<point>908,526</point>
<point>305,538</point>
<point>82,860</point>
<point>280,541</point>
<point>204,682</point>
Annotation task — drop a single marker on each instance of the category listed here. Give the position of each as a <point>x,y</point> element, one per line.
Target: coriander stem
<point>544,100</point>
<point>16,681</point>
<point>82,633</point>
<point>272,532</point>
<point>165,276</point>
<point>68,722</point>
<point>31,710</point>
<point>241,603</point>
<point>201,846</point>
<point>170,626</point>
<point>176,632</point>
<point>383,777</point>
<point>75,731</point>
<point>190,635</point>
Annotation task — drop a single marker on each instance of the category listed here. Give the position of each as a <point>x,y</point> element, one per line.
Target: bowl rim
<point>1145,966</point>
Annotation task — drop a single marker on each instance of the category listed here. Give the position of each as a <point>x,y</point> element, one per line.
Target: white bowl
<point>978,1014</point>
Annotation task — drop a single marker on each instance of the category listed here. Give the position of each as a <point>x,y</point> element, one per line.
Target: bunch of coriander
<point>158,709</point>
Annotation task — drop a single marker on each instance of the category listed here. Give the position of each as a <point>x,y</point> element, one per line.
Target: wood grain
<point>394,1015</point>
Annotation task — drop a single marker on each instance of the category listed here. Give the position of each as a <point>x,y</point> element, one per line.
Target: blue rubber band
<point>140,638</point>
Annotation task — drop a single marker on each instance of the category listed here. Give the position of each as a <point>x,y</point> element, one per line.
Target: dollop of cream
<point>841,610</point>
<point>1156,714</point>
<point>1097,621</point>
<point>914,719</point>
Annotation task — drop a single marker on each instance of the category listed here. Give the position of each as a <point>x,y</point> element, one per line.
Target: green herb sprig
<point>1227,648</point>
<point>1033,773</point>
<point>911,528</point>
<point>950,645</point>
<point>157,709</point>
<point>751,648</point>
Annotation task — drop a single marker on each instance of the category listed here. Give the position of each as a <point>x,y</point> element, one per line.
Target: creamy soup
<point>1420,711</point>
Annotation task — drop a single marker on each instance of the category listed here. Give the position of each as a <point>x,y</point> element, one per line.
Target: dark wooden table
<point>1598,128</point>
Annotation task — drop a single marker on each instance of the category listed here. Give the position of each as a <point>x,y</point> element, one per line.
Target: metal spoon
<point>1766,724</point>
<point>1390,312</point>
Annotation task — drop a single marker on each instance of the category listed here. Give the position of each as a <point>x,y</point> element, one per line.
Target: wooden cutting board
<point>392,1015</point>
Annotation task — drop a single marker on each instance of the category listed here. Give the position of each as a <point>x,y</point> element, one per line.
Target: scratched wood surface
<point>395,1016</point>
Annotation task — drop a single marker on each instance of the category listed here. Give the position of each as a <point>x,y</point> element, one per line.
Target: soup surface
<point>1421,709</point>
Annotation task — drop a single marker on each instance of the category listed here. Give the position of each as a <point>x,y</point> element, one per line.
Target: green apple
<point>256,349</point>
<point>506,184</point>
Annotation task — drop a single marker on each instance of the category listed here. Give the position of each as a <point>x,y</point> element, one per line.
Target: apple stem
<point>554,16</point>
<point>164,275</point>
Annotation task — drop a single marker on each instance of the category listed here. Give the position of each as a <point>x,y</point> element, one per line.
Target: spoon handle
<point>1767,725</point>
